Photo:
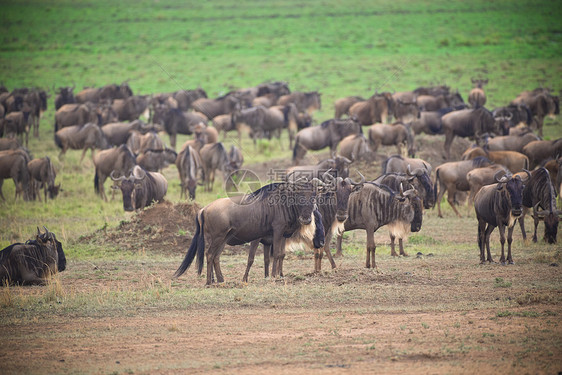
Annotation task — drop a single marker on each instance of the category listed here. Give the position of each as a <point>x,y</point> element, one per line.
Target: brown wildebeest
<point>406,111</point>
<point>131,108</point>
<point>451,177</point>
<point>13,164</point>
<point>75,114</point>
<point>224,123</point>
<point>354,147</point>
<point>117,133</point>
<point>141,188</point>
<point>510,142</point>
<point>304,101</point>
<point>343,105</point>
<point>214,156</point>
<point>43,174</point>
<point>278,210</point>
<point>481,177</point>
<point>514,161</point>
<point>64,95</point>
<point>188,163</point>
<point>119,160</point>
<point>186,97</point>
<point>373,110</point>
<point>498,205</point>
<point>16,124</point>
<point>399,163</point>
<point>35,102</point>
<point>477,96</point>
<point>222,105</point>
<point>554,167</point>
<point>541,103</point>
<point>396,134</point>
<point>337,167</point>
<point>80,137</point>
<point>139,143</point>
<point>540,151</point>
<point>156,160</point>
<point>34,262</point>
<point>430,122</point>
<point>327,134</point>
<point>9,144</point>
<point>177,122</point>
<point>108,92</point>
<point>207,134</point>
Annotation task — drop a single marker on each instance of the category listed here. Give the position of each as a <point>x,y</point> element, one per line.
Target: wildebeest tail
<point>58,142</point>
<point>192,251</point>
<point>201,246</point>
<point>435,185</point>
<point>296,148</point>
<point>97,182</point>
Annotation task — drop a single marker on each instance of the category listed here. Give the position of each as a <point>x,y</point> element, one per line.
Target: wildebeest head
<point>129,186</point>
<point>426,187</point>
<point>514,188</point>
<point>49,240</point>
<point>343,189</point>
<point>411,197</point>
<point>550,218</point>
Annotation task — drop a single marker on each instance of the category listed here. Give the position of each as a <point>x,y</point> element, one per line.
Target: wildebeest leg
<point>509,241</point>
<point>211,255</point>
<point>173,141</point>
<point>482,239</point>
<point>501,228</point>
<point>217,264</point>
<point>371,247</point>
<point>522,226</point>
<point>448,142</point>
<point>318,260</point>
<point>451,200</point>
<point>2,194</point>
<point>392,245</point>
<point>338,246</point>
<point>267,249</point>
<point>401,245</point>
<point>84,154</point>
<point>251,255</point>
<point>489,229</point>
<point>327,240</point>
<point>278,254</point>
<point>440,198</point>
<point>536,222</point>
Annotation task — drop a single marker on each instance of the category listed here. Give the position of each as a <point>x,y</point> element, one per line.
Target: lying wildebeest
<point>327,134</point>
<point>540,151</point>
<point>33,262</point>
<point>119,160</point>
<point>117,133</point>
<point>177,122</point>
<point>481,177</point>
<point>131,108</point>
<point>406,111</point>
<point>513,160</point>
<point>108,92</point>
<point>469,123</point>
<point>277,210</point>
<point>80,137</point>
<point>373,110</point>
<point>43,174</point>
<point>354,147</point>
<point>64,95</point>
<point>510,142</point>
<point>186,97</point>
<point>539,194</point>
<point>16,124</point>
<point>141,188</point>
<point>375,206</point>
<point>75,114</point>
<point>477,96</point>
<point>215,107</point>
<point>156,160</point>
<point>343,105</point>
<point>13,164</point>
<point>451,177</point>
<point>214,156</point>
<point>498,205</point>
<point>188,163</point>
<point>304,101</point>
<point>396,134</point>
<point>338,167</point>
<point>541,103</point>
<point>430,122</point>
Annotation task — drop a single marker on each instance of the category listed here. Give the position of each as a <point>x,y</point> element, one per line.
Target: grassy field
<point>337,48</point>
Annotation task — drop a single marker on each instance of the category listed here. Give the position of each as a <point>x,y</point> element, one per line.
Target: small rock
<point>419,254</point>
<point>554,264</point>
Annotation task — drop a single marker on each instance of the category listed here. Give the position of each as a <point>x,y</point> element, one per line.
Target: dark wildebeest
<point>34,262</point>
<point>141,188</point>
<point>373,110</point>
<point>75,114</point>
<point>13,164</point>
<point>42,173</point>
<point>406,111</point>
<point>540,151</point>
<point>108,92</point>
<point>539,194</point>
<point>278,210</point>
<point>64,95</point>
<point>188,163</point>
<point>176,122</point>
<point>80,137</point>
<point>35,102</point>
<point>219,106</point>
<point>16,124</point>
<point>304,101</point>
<point>477,96</point>
<point>186,97</point>
<point>354,147</point>
<point>338,167</point>
<point>131,108</point>
<point>469,123</point>
<point>327,134</point>
<point>119,160</point>
<point>510,142</point>
<point>541,103</point>
<point>377,205</point>
<point>481,177</point>
<point>498,205</point>
<point>513,160</point>
<point>514,115</point>
<point>432,90</point>
<point>417,173</point>
<point>396,134</point>
<point>214,156</point>
<point>343,105</point>
<point>451,177</point>
<point>156,160</point>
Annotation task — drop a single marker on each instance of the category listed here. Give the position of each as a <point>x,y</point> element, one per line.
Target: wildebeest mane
<point>326,123</point>
<point>262,193</point>
<point>540,188</point>
<point>479,160</point>
<point>5,253</point>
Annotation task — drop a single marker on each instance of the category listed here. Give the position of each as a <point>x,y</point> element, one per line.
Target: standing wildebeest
<point>437,102</point>
<point>468,123</point>
<point>418,176</point>
<point>214,156</point>
<point>513,160</point>
<point>277,210</point>
<point>117,133</point>
<point>219,106</point>
<point>477,96</point>
<point>186,97</point>
<point>141,188</point>
<point>396,134</point>
<point>176,122</point>
<point>304,101</point>
<point>131,108</point>
<point>540,151</point>
<point>375,109</point>
<point>33,262</point>
<point>401,164</point>
<point>119,160</point>
<point>481,177</point>
<point>554,167</point>
<point>498,205</point>
<point>35,102</point>
<point>405,111</point>
<point>430,122</point>
<point>9,144</point>
<point>224,123</point>
<point>188,163</point>
<point>539,194</point>
<point>338,167</point>
<point>354,147</point>
<point>108,92</point>
<point>514,115</point>
<point>75,114</point>
<point>343,105</point>
<point>451,177</point>
<point>42,173</point>
<point>327,134</point>
<point>13,164</point>
<point>510,142</point>
<point>80,137</point>
<point>139,143</point>
<point>541,103</point>
<point>375,206</point>
<point>156,160</point>
<point>64,95</point>
<point>16,124</point>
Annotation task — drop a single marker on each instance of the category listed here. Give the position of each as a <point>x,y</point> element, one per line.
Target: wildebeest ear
<point>500,186</point>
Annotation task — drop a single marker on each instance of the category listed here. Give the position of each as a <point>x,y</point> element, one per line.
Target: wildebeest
<point>541,103</point>
<point>430,122</point>
<point>373,110</point>
<point>207,134</point>
<point>554,167</point>
<point>108,92</point>
<point>498,205</point>
<point>428,102</point>
<point>13,164</point>
<point>75,114</point>
<point>304,101</point>
<point>418,176</point>
<point>468,123</point>
<point>141,188</point>
<point>514,115</point>
<point>477,96</point>
<point>342,105</point>
<point>156,160</point>
<point>327,134</point>
<point>396,134</point>
<point>33,262</point>
<point>539,194</point>
<point>176,122</point>
<point>337,167</point>
<point>219,106</point>
<point>186,97</point>
<point>406,111</point>
<point>16,124</point>
<point>213,157</point>
<point>510,142</point>
<point>513,160</point>
<point>540,151</point>
<point>354,147</point>
<point>119,160</point>
<point>479,177</point>
<point>117,133</point>
<point>131,108</point>
<point>188,163</point>
<point>9,144</point>
<point>277,210</point>
<point>64,95</point>
<point>451,177</point>
<point>43,174</point>
<point>401,164</point>
<point>138,143</point>
<point>375,206</point>
<point>80,137</point>
<point>224,124</point>
<point>35,102</point>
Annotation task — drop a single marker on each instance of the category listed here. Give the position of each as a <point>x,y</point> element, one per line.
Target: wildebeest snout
<point>305,220</point>
<point>341,216</point>
<point>516,211</point>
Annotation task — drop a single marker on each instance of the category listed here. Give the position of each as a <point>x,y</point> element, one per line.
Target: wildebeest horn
<point>38,231</point>
<point>317,182</point>
<point>121,178</point>
<point>327,176</point>
<point>141,175</point>
<point>510,116</point>
<point>504,178</point>
<point>416,172</point>
<point>528,174</point>
<point>538,212</point>
<point>356,183</point>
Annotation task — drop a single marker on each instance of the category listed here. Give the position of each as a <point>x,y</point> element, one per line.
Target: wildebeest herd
<point>508,172</point>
